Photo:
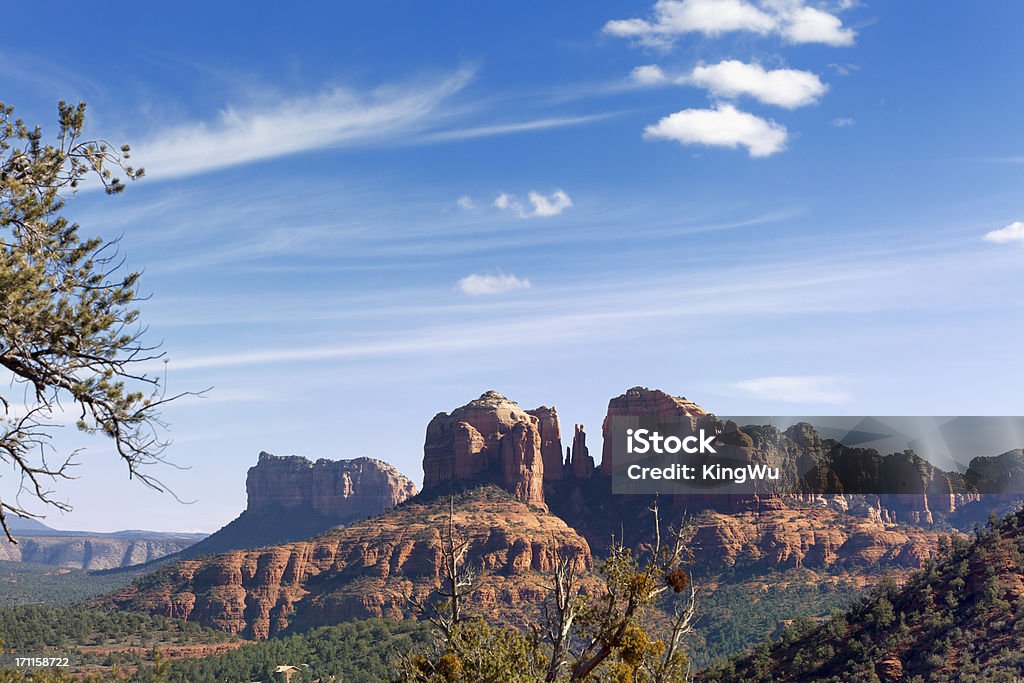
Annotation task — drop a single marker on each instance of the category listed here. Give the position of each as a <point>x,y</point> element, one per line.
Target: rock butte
<point>491,439</point>
<point>334,488</point>
<point>290,498</point>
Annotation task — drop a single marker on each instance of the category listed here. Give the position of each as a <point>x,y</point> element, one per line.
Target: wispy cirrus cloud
<point>793,20</point>
<point>796,389</point>
<point>723,126</point>
<point>794,290</point>
<point>532,125</point>
<point>335,117</point>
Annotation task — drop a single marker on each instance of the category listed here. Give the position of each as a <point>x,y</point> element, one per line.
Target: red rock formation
<point>643,402</point>
<point>521,463</point>
<point>490,439</point>
<point>369,569</point>
<point>341,489</point>
<point>581,463</point>
<point>814,537</point>
<point>550,442</point>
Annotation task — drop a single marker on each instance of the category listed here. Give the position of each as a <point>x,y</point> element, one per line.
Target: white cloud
<point>551,205</point>
<point>787,88</point>
<point>540,206</point>
<point>649,74</point>
<point>792,20</point>
<point>813,25</point>
<point>795,389</point>
<point>477,285</point>
<point>1014,232</point>
<point>843,122</point>
<point>466,203</point>
<point>723,126</point>
<point>710,17</point>
<point>334,118</point>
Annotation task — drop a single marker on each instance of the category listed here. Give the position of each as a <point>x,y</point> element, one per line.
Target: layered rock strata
<point>368,569</point>
<point>341,489</point>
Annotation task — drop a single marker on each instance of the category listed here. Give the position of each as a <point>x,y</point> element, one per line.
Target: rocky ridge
<point>493,440</point>
<point>368,569</point>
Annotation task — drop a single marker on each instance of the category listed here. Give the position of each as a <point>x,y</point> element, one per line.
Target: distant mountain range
<point>33,527</point>
<point>42,544</point>
<point>26,524</point>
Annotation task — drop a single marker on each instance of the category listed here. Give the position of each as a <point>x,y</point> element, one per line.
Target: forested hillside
<point>957,620</point>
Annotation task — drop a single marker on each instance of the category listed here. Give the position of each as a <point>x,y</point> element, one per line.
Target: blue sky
<point>356,216</point>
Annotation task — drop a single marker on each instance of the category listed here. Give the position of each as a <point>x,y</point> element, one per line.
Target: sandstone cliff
<point>1001,474</point>
<point>810,536</point>
<point>342,489</point>
<point>492,440</point>
<point>372,567</point>
<point>550,442</point>
<point>368,569</point>
<point>959,620</point>
<point>644,402</point>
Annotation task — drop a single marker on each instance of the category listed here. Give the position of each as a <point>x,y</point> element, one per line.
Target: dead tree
<point>445,608</point>
<point>559,613</point>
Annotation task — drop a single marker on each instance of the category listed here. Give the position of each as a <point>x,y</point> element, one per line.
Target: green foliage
<point>479,653</point>
<point>355,652</point>
<point>958,619</point>
<point>734,617</point>
<point>69,332</point>
<point>97,639</point>
<point>46,676</point>
<point>37,628</point>
<point>24,583</point>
